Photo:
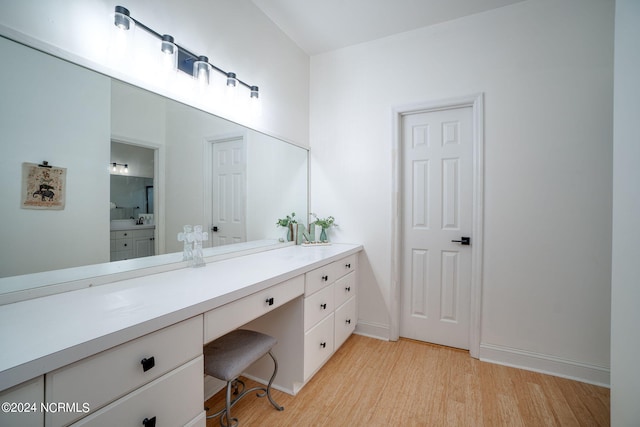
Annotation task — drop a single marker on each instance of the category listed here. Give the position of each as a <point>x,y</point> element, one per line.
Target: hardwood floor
<point>369,382</point>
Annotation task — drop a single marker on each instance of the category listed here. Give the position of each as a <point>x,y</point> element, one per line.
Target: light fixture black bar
<point>190,56</point>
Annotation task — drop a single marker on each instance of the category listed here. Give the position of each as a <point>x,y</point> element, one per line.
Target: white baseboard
<point>373,330</point>
<point>546,364</point>
<point>212,386</point>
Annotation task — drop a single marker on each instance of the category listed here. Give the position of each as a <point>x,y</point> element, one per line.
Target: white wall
<point>234,34</point>
<point>69,129</point>
<point>277,185</point>
<point>273,179</point>
<point>546,70</point>
<point>625,338</point>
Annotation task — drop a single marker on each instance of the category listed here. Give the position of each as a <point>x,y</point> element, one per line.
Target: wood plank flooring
<point>369,382</point>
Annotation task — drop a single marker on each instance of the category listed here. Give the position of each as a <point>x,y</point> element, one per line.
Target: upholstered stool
<point>230,355</point>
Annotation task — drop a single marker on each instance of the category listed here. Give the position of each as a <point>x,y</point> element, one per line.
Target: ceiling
<point>319,26</point>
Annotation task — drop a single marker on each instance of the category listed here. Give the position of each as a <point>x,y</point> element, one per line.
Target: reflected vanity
<point>68,115</point>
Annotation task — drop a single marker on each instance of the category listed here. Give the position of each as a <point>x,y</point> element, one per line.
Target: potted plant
<point>325,224</point>
<point>288,222</point>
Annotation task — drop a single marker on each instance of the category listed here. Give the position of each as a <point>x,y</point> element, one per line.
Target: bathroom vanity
<point>130,240</point>
<point>130,352</point>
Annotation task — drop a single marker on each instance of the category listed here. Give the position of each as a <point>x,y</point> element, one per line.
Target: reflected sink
<point>121,224</point>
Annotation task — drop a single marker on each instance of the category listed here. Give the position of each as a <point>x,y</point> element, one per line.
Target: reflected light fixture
<point>124,167</point>
<point>188,62</point>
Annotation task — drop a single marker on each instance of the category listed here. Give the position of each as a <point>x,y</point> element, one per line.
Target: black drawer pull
<point>323,344</point>
<point>348,289</point>
<point>149,422</point>
<point>125,245</point>
<point>269,301</point>
<point>323,306</point>
<point>348,265</point>
<point>348,321</point>
<point>148,364</point>
<point>325,278</point>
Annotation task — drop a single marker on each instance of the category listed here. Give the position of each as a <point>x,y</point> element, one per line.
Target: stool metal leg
<point>266,391</point>
<point>227,413</point>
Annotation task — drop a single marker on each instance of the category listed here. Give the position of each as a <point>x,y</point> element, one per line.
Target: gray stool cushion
<point>228,356</point>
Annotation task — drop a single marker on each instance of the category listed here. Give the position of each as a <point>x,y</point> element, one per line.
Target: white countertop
<point>46,333</point>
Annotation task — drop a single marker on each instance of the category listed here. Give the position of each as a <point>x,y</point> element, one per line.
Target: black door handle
<point>463,241</point>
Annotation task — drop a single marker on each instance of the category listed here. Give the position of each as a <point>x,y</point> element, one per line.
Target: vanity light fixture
<point>231,79</point>
<point>188,62</point>
<point>201,69</point>
<point>122,18</point>
<point>168,46</point>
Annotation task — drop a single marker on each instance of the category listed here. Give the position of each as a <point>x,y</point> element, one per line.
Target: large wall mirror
<point>204,171</point>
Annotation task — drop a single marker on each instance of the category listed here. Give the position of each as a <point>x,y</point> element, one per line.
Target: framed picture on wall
<point>43,186</point>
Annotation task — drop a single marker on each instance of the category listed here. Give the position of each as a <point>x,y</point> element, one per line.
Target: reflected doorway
<point>132,213</point>
<point>229,192</point>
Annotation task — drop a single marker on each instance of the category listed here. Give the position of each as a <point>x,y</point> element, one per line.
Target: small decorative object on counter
<point>198,237</point>
<point>192,238</point>
<point>288,222</point>
<point>324,224</point>
<point>302,236</point>
<point>186,236</point>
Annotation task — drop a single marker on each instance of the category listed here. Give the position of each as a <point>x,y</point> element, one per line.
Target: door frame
<point>159,167</point>
<point>476,102</point>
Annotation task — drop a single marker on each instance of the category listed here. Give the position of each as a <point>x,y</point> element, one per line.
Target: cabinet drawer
<point>228,317</point>
<point>123,234</point>
<point>345,266</point>
<point>346,319</point>
<point>28,393</point>
<point>174,399</point>
<point>317,279</point>
<point>121,255</point>
<point>318,346</point>
<point>124,244</point>
<point>318,306</point>
<point>345,288</point>
<point>107,376</point>
<point>322,276</point>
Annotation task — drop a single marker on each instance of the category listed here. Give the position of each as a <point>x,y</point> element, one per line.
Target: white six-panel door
<point>437,197</point>
<point>228,224</point>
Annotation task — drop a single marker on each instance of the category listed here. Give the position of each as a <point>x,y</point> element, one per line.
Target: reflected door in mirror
<point>228,223</point>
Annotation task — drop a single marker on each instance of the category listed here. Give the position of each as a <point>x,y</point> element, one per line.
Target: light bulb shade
<point>254,92</point>
<point>168,46</point>
<point>201,69</point>
<point>122,18</point>
<point>126,168</point>
<point>232,81</point>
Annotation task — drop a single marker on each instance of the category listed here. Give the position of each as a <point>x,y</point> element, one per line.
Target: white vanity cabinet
<point>136,379</point>
<point>329,311</point>
<point>131,352</point>
<point>22,404</point>
<point>132,243</point>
